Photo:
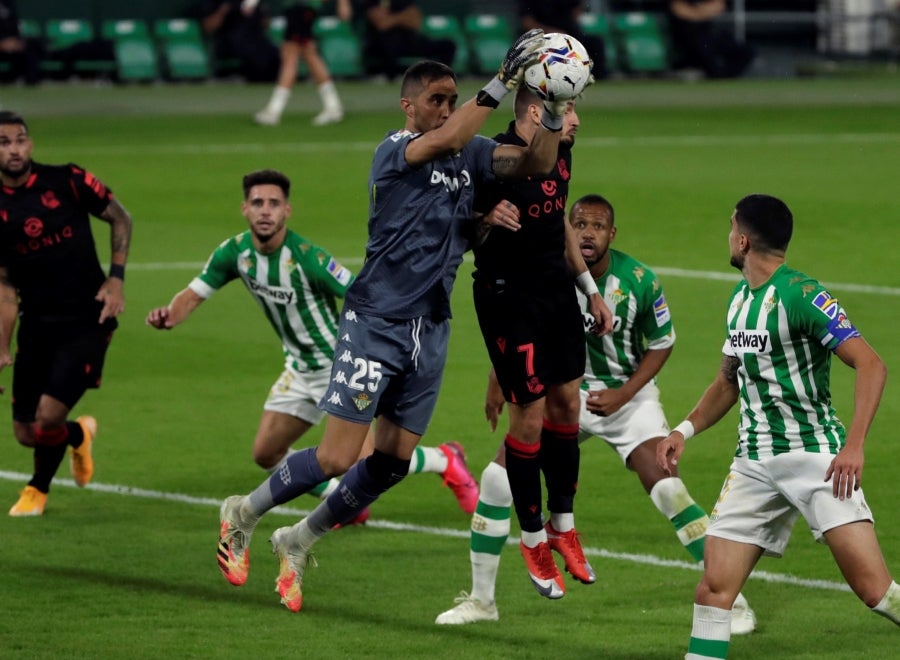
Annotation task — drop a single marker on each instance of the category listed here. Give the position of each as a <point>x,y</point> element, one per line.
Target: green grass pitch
<point>126,568</point>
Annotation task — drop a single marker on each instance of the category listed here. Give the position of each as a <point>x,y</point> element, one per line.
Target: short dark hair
<point>524,98</point>
<point>767,219</point>
<point>594,199</point>
<point>264,177</point>
<point>421,73</point>
<point>10,117</point>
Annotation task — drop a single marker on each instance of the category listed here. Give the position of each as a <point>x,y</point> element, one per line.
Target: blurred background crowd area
<point>173,40</point>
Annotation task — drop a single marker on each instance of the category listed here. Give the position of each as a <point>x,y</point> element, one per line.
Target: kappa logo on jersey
<point>501,344</point>
<point>284,473</point>
<point>49,200</point>
<point>345,357</point>
<point>828,305</point>
<point>340,377</point>
<point>277,294</point>
<point>451,183</point>
<point>750,341</point>
<point>661,311</point>
<point>638,273</point>
<point>338,272</point>
<point>362,401</point>
<point>350,315</point>
<point>346,338</point>
<point>335,400</point>
<point>349,498</point>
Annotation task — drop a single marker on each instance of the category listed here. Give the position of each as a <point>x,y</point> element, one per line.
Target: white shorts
<point>632,425</point>
<point>761,500</point>
<point>298,394</point>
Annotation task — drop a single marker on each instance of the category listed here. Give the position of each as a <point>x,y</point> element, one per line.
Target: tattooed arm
<point>111,293</point>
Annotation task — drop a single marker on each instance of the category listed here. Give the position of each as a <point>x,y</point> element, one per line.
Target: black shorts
<point>60,360</point>
<point>299,21</point>
<point>534,336</point>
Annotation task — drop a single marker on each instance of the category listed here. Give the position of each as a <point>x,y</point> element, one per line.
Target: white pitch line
<point>656,141</point>
<point>659,270</point>
<point>650,560</point>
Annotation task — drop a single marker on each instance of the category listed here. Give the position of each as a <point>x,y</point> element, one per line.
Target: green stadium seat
<point>641,42</point>
<point>30,28</point>
<point>136,56</point>
<point>490,36</point>
<point>597,23</point>
<point>124,29</point>
<point>183,52</point>
<point>339,46</point>
<point>68,31</point>
<point>136,59</point>
<point>447,26</point>
<point>71,32</point>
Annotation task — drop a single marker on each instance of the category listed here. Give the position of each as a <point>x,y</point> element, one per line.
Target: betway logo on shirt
<point>277,294</point>
<point>750,341</point>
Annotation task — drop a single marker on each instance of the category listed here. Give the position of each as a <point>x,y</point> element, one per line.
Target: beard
<point>15,173</point>
<point>737,261</point>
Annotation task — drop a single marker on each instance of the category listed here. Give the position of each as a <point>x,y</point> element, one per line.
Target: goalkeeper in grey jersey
<point>620,403</point>
<point>794,456</point>
<point>297,286</point>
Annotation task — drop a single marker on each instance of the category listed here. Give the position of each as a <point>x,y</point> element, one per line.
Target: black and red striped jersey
<point>46,243</point>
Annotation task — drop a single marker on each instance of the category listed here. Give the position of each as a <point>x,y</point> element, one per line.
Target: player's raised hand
<point>519,57</point>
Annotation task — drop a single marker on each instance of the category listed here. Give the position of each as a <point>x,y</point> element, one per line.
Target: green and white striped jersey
<point>783,333</point>
<point>641,321</point>
<point>296,286</point>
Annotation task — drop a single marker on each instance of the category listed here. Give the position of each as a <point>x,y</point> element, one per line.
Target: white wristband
<point>686,429</point>
<point>586,283</point>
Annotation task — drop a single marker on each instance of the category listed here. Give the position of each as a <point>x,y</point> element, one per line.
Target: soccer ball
<point>562,70</point>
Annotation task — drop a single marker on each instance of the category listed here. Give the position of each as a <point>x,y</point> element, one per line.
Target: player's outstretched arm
<point>464,123</point>
<point>717,400</point>
<point>182,305</point>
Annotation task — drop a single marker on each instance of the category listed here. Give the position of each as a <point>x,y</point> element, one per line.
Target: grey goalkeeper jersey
<point>296,287</point>
<point>418,219</point>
